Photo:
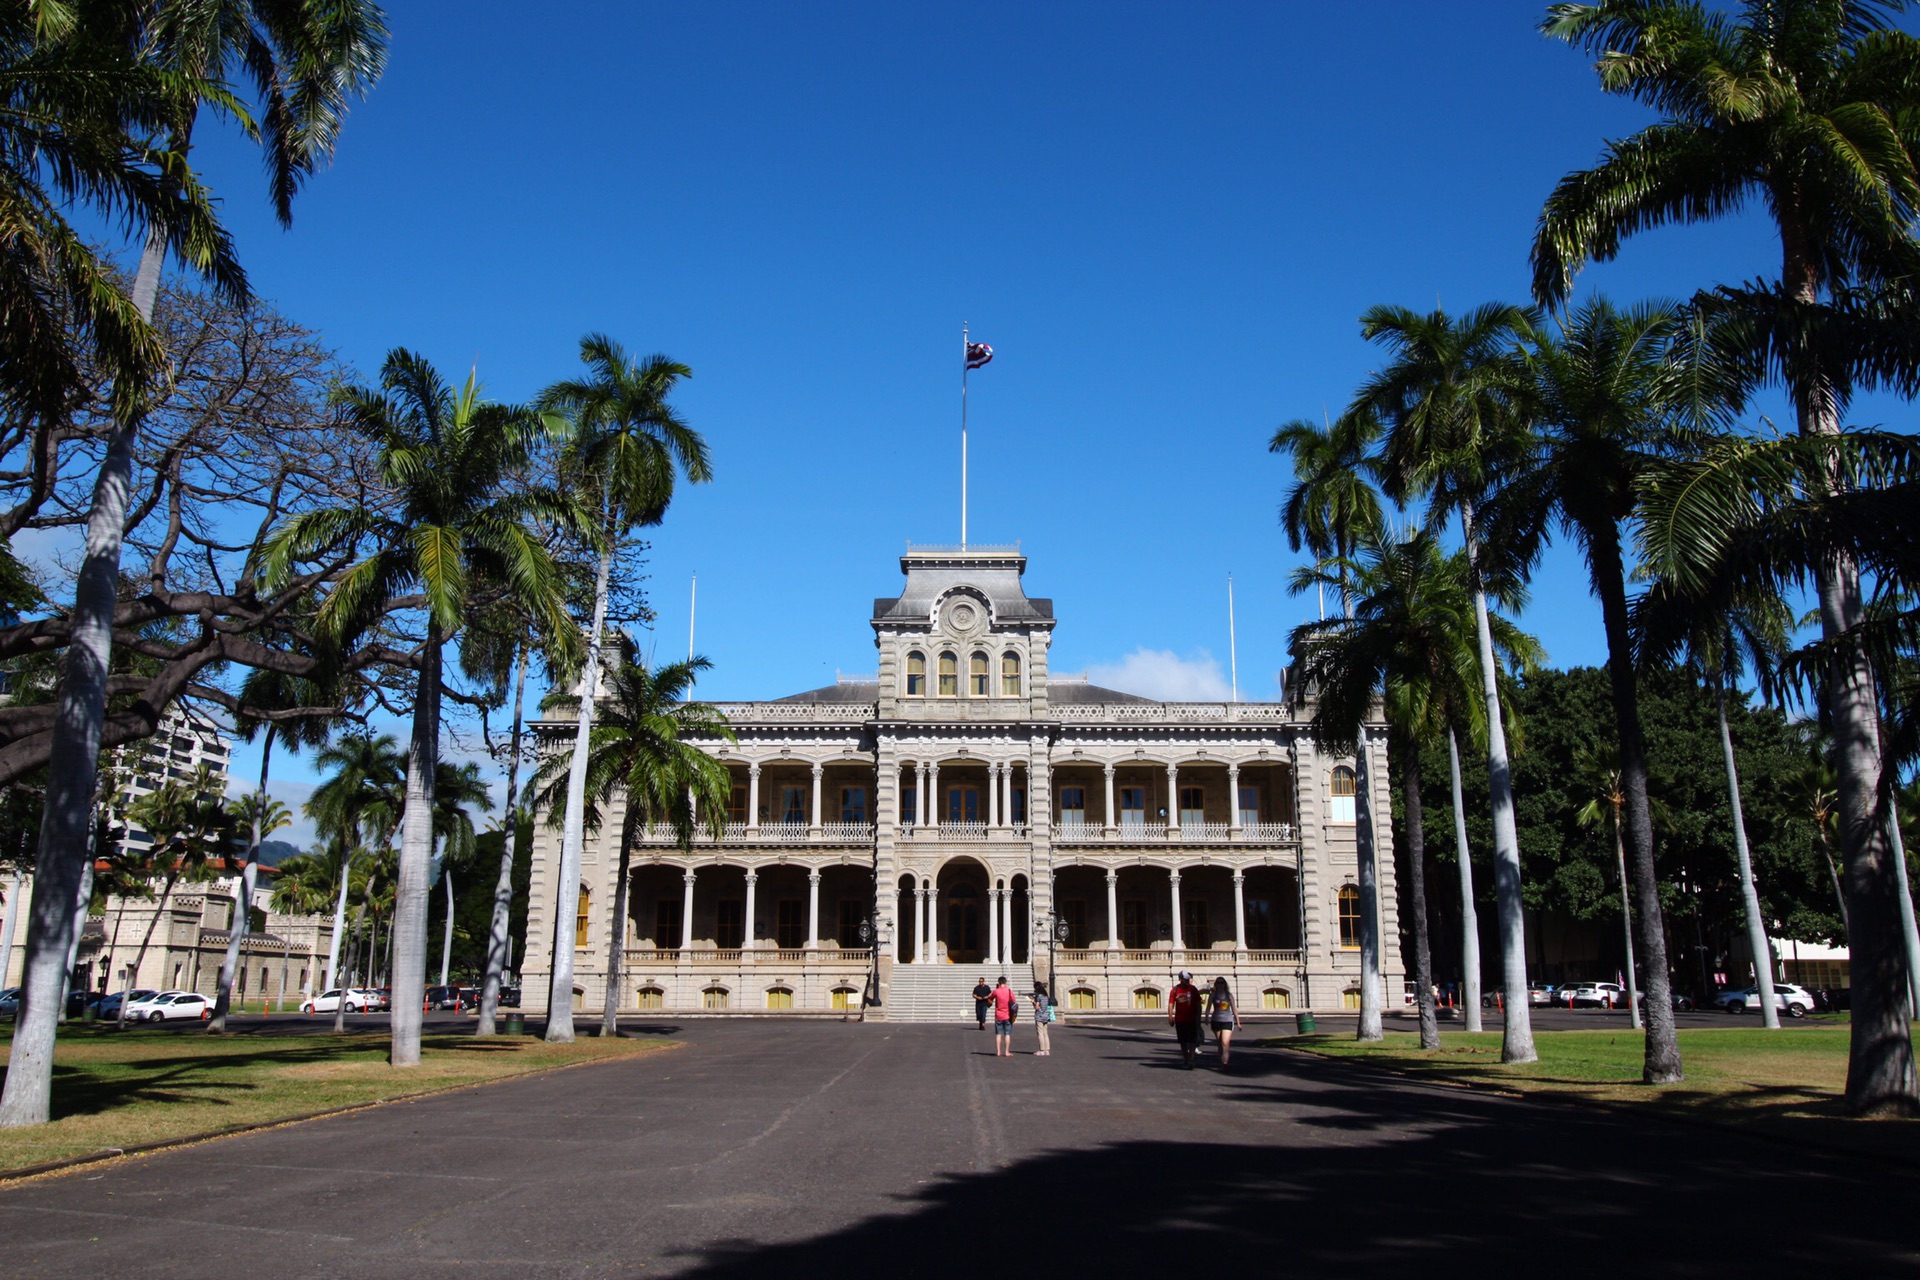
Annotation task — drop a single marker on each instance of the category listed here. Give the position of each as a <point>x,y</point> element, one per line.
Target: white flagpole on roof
<point>693,603</point>
<point>964,362</point>
<point>1233,651</point>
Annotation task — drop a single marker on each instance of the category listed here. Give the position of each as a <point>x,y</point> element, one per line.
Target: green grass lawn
<point>1786,1084</point>
<point>122,1089</point>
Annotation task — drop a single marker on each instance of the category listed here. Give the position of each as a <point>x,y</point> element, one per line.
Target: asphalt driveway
<point>767,1148</point>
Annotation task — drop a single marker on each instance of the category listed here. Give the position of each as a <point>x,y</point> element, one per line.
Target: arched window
<point>580,917</point>
<point>651,998</point>
<point>1343,790</point>
<point>977,671</point>
<point>845,998</point>
<point>779,997</point>
<point>916,675</point>
<point>949,676</point>
<point>714,998</point>
<point>1350,998</point>
<point>1009,675</point>
<point>1083,998</point>
<point>1276,998</point>
<point>1146,998</point>
<point>1349,916</point>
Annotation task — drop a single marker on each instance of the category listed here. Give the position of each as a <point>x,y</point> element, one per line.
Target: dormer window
<point>916,675</point>
<point>1009,675</point>
<point>977,676</point>
<point>949,676</point>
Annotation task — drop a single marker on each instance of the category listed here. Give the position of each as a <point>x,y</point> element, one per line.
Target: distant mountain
<point>275,852</point>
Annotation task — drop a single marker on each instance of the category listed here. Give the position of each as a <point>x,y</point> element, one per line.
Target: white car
<point>329,1002</point>
<point>169,1006</point>
<point>1595,995</point>
<point>1795,1002</point>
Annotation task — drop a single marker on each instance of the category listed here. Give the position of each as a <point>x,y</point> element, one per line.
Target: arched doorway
<point>963,911</point>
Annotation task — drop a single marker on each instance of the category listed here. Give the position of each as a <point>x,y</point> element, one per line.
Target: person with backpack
<point>1183,1011</point>
<point>1222,1017</point>
<point>1042,1018</point>
<point>982,999</point>
<point>1005,1006</point>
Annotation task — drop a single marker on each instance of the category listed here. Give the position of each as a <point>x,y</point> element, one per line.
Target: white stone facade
<point>1111,837</point>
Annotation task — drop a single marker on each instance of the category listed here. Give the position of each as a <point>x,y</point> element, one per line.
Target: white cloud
<point>1165,675</point>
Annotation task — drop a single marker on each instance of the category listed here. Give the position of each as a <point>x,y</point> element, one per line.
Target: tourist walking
<point>982,1000</point>
<point>1042,1018</point>
<point>1183,1011</point>
<point>1223,1018</point>
<point>1005,1006</point>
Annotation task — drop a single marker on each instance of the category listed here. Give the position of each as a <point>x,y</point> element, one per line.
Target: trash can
<point>515,1024</point>
<point>1304,1023</point>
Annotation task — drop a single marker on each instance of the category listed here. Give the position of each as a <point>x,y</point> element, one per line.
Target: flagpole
<point>1233,651</point>
<point>693,604</point>
<point>963,435</point>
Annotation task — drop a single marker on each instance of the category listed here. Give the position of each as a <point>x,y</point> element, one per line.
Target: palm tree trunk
<point>1369,1027</point>
<point>113,943</point>
<point>1881,1079</point>
<point>1626,922</point>
<point>1516,1043</point>
<point>409,928</point>
<point>617,927</point>
<point>243,911</point>
<point>446,935</point>
<point>1833,874</point>
<point>340,1005</point>
<point>1749,892</point>
<point>140,956</point>
<point>339,938</point>
<point>560,990</point>
<point>1661,1064</point>
<point>500,935</point>
<point>12,921</point>
<point>82,902</point>
<point>73,761</point>
<point>1417,891</point>
<point>1469,914</point>
<point>1910,935</point>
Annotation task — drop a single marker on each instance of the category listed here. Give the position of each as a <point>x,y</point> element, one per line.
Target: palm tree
<point>267,690</point>
<point>76,116</point>
<point>1408,638</point>
<point>1812,108</point>
<point>627,446</point>
<point>1604,778</point>
<point>358,804</point>
<point>1607,392</point>
<point>1333,503</point>
<point>456,788</point>
<point>1447,403</point>
<point>449,461</point>
<point>190,824</point>
<point>640,752</point>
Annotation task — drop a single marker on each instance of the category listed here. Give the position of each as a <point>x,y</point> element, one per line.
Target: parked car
<point>509,997</point>
<point>109,1006</point>
<point>1682,1002</point>
<point>1539,993</point>
<point>443,998</point>
<point>329,1002</point>
<point>1596,995</point>
<point>10,1000</point>
<point>379,999</point>
<point>77,1001</point>
<point>1795,1002</point>
<point>169,1006</point>
<point>1834,1000</point>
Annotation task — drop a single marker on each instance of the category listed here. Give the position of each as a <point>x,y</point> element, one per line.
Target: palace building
<point>967,813</point>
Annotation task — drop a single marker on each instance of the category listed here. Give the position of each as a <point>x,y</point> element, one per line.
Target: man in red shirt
<point>1004,1003</point>
<point>1183,1011</point>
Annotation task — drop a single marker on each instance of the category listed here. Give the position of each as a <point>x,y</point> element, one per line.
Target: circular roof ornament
<point>962,615</point>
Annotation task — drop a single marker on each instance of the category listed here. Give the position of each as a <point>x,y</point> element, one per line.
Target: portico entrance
<point>963,919</point>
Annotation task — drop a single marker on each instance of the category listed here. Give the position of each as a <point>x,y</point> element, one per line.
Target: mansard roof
<point>991,572</point>
<point>848,691</point>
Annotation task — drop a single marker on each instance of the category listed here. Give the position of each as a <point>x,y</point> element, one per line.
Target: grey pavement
<point>797,1148</point>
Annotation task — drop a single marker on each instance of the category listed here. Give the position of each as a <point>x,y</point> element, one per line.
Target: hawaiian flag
<point>978,354</point>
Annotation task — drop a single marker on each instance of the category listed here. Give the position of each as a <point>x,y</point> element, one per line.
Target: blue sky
<point>1166,221</point>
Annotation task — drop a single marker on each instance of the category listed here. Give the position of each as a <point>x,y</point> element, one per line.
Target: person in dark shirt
<point>1183,1011</point>
<point>982,995</point>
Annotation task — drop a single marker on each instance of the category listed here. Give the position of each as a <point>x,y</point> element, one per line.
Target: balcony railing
<point>1192,833</point>
<point>826,953</point>
<point>846,832</point>
<point>1082,956</point>
<point>738,833</point>
<point>963,830</point>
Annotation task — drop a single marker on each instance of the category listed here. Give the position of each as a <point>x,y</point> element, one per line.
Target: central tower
<point>962,641</point>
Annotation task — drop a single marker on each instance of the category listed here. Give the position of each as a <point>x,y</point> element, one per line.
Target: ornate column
<point>1113,906</point>
<point>933,791</point>
<point>993,794</point>
<point>933,922</point>
<point>746,926</point>
<point>813,909</point>
<point>1113,821</point>
<point>1233,799</point>
<point>920,924</point>
<point>1240,909</point>
<point>813,827</point>
<point>686,918</point>
<point>993,926</point>
<point>920,795</point>
<point>1006,924</point>
<point>753,797</point>
<point>1179,940</point>
<point>1173,806</point>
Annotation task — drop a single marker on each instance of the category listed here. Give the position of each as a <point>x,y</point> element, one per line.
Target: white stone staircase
<point>943,992</point>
